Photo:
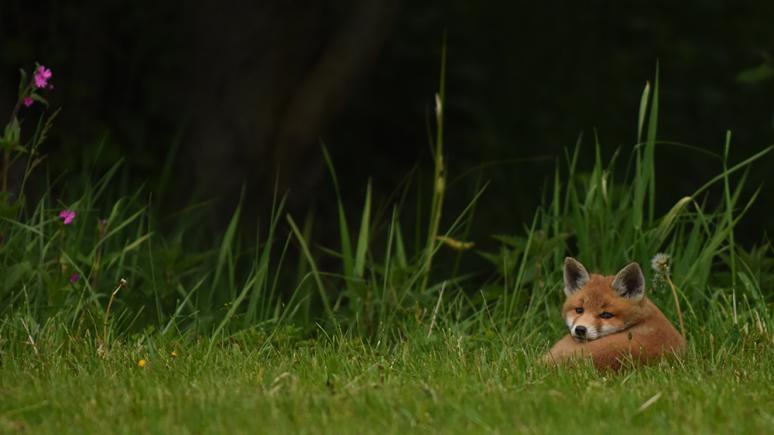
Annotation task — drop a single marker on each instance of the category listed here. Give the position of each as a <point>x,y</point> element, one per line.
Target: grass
<point>452,382</point>
<point>388,331</point>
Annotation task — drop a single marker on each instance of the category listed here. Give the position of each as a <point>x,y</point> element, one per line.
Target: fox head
<point>597,305</point>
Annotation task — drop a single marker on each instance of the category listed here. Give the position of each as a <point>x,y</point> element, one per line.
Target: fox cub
<point>610,320</point>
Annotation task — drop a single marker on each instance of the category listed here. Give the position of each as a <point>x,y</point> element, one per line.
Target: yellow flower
<point>174,354</point>
<point>141,363</point>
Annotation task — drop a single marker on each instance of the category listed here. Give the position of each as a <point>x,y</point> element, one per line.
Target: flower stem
<point>677,306</point>
<point>105,322</point>
<point>7,152</point>
<point>6,163</point>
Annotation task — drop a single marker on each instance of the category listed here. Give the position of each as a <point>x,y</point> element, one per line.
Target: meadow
<point>114,321</point>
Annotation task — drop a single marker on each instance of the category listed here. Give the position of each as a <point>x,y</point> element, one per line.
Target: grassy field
<point>112,321</point>
<point>452,382</point>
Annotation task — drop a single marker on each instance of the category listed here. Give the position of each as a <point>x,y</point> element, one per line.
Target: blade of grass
<point>346,244</point>
<point>439,177</point>
<point>315,272</point>
<point>362,239</point>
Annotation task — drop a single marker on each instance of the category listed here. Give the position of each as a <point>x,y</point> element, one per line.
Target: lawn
<point>451,382</point>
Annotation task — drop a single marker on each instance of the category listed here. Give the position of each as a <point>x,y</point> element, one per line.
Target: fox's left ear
<point>630,282</point>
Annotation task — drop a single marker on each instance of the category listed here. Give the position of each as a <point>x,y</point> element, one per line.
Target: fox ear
<point>575,276</point>
<point>630,282</point>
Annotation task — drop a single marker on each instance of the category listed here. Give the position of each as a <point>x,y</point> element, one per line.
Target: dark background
<point>201,98</point>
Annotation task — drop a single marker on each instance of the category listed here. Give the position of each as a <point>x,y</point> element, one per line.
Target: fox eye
<point>579,310</point>
<point>606,315</point>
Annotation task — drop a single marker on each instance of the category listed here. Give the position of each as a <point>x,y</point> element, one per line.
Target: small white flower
<point>660,263</point>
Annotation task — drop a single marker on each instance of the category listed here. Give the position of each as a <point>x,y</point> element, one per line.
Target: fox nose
<point>580,331</point>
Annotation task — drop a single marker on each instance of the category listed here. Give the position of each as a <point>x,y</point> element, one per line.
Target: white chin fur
<point>594,333</point>
<point>591,333</point>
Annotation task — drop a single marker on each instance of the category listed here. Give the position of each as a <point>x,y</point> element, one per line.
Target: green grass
<point>388,331</point>
<point>452,382</point>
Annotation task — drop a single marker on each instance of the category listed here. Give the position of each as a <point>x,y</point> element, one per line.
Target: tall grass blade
<point>226,247</point>
<point>346,245</point>
<point>643,109</point>
<point>362,239</point>
<point>439,176</point>
<point>650,149</point>
<point>315,272</point>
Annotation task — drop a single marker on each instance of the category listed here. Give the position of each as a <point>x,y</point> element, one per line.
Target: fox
<point>611,321</point>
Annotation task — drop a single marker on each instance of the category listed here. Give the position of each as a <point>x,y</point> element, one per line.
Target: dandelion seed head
<point>660,263</point>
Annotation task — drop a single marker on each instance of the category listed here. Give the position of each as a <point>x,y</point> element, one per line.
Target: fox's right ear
<point>575,276</point>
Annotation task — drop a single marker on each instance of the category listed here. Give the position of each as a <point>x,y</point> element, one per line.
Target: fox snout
<point>583,327</point>
<point>583,332</point>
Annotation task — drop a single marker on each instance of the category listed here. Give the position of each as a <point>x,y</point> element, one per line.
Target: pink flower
<point>27,101</point>
<point>74,278</point>
<point>67,216</point>
<point>42,76</point>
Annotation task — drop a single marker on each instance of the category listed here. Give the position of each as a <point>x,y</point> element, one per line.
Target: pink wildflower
<point>27,101</point>
<point>42,76</point>
<point>74,278</point>
<point>67,216</point>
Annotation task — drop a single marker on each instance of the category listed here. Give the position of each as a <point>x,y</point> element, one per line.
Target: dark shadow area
<point>202,98</point>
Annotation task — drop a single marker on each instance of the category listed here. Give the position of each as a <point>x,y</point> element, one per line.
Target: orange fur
<point>636,330</point>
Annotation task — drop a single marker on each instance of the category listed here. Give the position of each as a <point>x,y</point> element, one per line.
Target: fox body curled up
<point>611,321</point>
